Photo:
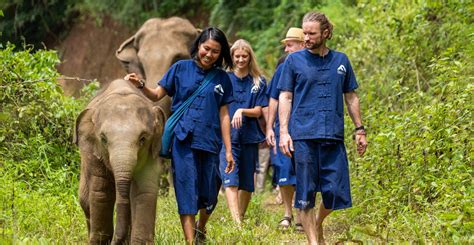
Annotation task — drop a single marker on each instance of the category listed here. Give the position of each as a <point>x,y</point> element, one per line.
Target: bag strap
<point>183,107</point>
<point>171,123</point>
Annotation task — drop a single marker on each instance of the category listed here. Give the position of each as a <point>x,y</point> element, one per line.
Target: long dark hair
<point>224,60</point>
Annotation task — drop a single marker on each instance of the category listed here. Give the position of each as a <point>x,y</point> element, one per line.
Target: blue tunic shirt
<point>247,95</point>
<point>201,120</point>
<point>318,84</point>
<point>273,92</point>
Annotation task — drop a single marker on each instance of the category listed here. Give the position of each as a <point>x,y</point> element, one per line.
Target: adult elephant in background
<point>119,138</point>
<point>156,46</point>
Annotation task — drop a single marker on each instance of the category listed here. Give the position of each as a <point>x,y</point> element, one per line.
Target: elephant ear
<point>159,124</point>
<point>76,135</point>
<point>84,133</point>
<point>127,54</point>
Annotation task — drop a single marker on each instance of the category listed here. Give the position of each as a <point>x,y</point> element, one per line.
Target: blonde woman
<point>249,88</point>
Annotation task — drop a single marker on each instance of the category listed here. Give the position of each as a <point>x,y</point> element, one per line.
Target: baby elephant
<point>119,137</point>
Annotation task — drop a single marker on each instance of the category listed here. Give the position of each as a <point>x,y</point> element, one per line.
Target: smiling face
<point>209,52</point>
<point>313,37</point>
<point>241,58</point>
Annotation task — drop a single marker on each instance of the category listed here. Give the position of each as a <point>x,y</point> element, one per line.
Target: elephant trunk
<point>123,165</point>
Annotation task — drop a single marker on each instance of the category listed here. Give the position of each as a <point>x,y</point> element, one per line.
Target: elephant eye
<point>142,140</point>
<point>103,139</point>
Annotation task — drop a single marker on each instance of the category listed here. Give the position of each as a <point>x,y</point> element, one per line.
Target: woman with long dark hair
<point>202,129</point>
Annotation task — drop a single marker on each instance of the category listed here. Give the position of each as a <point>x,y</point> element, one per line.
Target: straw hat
<point>295,34</point>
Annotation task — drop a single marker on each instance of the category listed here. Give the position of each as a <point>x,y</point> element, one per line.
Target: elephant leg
<point>84,199</point>
<point>102,199</point>
<point>144,194</point>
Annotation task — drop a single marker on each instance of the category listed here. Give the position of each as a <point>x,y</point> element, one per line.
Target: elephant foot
<point>100,239</point>
<point>118,241</point>
<point>137,240</point>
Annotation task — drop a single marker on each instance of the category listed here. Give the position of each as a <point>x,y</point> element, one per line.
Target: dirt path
<point>88,52</point>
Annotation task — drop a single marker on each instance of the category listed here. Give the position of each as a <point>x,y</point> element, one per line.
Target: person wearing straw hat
<point>314,85</point>
<point>284,170</point>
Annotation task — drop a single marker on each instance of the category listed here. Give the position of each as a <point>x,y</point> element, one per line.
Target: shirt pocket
<point>207,136</point>
<point>305,121</point>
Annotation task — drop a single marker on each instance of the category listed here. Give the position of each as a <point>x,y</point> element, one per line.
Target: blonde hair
<point>254,70</point>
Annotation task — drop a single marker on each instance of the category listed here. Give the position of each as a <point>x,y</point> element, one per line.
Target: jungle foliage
<point>413,61</point>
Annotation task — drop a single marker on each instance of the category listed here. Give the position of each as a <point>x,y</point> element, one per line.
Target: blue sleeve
<point>350,82</point>
<point>287,77</point>
<point>228,97</point>
<point>168,80</point>
<point>273,91</point>
<point>262,99</point>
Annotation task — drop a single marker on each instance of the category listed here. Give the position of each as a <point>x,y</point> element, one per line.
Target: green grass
<point>35,216</point>
<point>39,217</point>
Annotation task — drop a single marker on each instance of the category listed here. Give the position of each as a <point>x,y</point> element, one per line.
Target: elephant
<point>156,46</point>
<point>119,138</point>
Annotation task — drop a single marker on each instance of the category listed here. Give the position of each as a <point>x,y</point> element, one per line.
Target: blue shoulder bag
<point>171,123</point>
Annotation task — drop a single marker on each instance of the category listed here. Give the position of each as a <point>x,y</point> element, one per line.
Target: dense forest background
<point>413,61</point>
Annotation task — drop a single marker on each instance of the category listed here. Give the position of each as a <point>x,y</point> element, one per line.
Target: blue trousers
<point>195,177</point>
<point>321,166</point>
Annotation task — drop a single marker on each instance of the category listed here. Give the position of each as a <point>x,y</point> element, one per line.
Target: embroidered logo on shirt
<point>218,89</point>
<point>341,70</point>
<point>254,89</point>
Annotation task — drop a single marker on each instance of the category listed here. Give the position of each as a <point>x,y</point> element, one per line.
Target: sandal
<point>285,223</point>
<point>299,227</point>
<point>200,236</point>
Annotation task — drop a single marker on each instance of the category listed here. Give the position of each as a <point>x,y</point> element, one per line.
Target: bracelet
<point>359,128</point>
<point>361,133</point>
<point>141,84</point>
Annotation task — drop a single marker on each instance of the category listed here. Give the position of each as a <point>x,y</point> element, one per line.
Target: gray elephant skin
<point>157,45</point>
<point>119,138</point>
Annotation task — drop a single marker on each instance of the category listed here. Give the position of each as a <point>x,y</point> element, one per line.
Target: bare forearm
<point>225,127</point>
<point>284,110</point>
<point>272,111</point>
<point>154,94</point>
<point>252,112</point>
<point>353,108</point>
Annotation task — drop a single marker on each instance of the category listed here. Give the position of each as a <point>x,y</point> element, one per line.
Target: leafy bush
<point>34,22</point>
<point>413,64</point>
<point>37,155</point>
<point>134,13</point>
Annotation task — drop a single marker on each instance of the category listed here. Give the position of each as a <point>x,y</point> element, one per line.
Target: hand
<point>286,144</point>
<point>361,143</point>
<point>237,119</point>
<point>263,145</point>
<point>230,162</point>
<point>133,78</point>
<point>271,139</point>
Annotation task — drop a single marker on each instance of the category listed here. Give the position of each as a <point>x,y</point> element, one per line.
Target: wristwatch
<point>141,84</point>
